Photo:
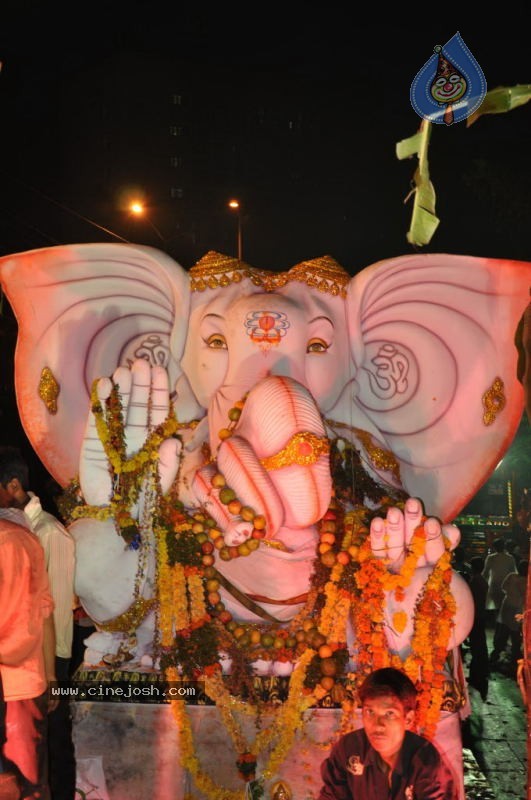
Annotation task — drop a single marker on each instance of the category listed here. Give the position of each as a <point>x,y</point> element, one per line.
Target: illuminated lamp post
<point>138,209</point>
<point>236,206</point>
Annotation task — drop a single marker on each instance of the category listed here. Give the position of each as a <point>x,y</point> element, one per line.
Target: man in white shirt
<point>59,555</point>
<point>498,564</point>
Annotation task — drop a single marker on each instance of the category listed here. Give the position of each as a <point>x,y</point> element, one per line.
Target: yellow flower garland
<point>181,597</point>
<point>196,591</point>
<point>190,761</point>
<point>283,729</point>
<point>288,719</point>
<point>165,592</point>
<point>115,455</point>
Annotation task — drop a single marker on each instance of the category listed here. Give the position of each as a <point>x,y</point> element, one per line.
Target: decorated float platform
<point>129,750</point>
<point>129,741</point>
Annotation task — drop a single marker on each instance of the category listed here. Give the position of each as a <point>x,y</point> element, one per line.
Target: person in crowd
<point>385,758</point>
<point>498,564</point>
<point>509,621</point>
<point>27,653</point>
<point>513,549</point>
<point>59,554</point>
<point>460,563</point>
<point>478,671</point>
<point>520,532</point>
<point>8,782</point>
<point>83,627</point>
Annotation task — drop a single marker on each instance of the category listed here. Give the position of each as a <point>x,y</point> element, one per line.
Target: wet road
<point>496,735</point>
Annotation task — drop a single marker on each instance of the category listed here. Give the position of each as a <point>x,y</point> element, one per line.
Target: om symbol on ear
<point>392,374</point>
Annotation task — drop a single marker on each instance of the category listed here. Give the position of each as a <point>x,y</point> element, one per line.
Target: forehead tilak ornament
<point>215,270</point>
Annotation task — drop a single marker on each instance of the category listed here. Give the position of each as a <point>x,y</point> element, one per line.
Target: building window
<point>176,161</point>
<point>176,130</point>
<point>176,192</point>
<point>176,99</point>
<point>295,124</point>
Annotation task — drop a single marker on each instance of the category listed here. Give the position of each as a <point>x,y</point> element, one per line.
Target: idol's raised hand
<point>390,538</point>
<point>145,400</point>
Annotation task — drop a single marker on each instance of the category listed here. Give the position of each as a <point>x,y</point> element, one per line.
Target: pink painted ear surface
<point>432,339</point>
<point>82,310</point>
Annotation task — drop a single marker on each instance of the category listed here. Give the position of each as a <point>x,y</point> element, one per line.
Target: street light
<point>138,209</point>
<point>235,205</point>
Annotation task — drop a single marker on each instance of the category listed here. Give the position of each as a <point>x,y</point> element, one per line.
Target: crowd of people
<point>498,582</point>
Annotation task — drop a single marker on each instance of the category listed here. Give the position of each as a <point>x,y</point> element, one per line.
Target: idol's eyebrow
<point>316,319</point>
<point>217,316</point>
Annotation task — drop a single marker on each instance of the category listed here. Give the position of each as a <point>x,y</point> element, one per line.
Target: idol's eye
<point>454,78</point>
<point>217,342</point>
<point>440,82</point>
<point>317,346</point>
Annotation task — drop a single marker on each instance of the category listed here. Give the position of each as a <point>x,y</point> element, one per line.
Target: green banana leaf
<point>424,221</point>
<point>502,99</point>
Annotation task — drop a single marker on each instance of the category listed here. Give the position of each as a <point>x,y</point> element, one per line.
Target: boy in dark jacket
<point>385,759</point>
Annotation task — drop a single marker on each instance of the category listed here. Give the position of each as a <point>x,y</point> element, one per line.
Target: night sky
<point>69,89</point>
<point>293,109</point>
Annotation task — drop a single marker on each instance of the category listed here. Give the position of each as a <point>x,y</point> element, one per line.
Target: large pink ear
<point>436,367</point>
<point>82,310</point>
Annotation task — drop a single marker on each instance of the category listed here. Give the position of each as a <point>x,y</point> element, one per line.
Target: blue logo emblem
<point>450,86</point>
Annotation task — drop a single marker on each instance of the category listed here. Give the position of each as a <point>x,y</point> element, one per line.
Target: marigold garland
<point>110,429</point>
<point>349,582</point>
<point>365,600</point>
<point>165,592</point>
<point>283,730</point>
<point>433,625</point>
<point>288,719</point>
<point>190,761</point>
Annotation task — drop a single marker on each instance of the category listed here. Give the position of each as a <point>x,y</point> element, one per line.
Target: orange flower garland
<point>433,623</point>
<point>355,587</point>
<point>433,626</point>
<point>349,582</point>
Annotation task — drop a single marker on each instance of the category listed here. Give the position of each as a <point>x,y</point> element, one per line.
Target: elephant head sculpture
<point>414,353</point>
